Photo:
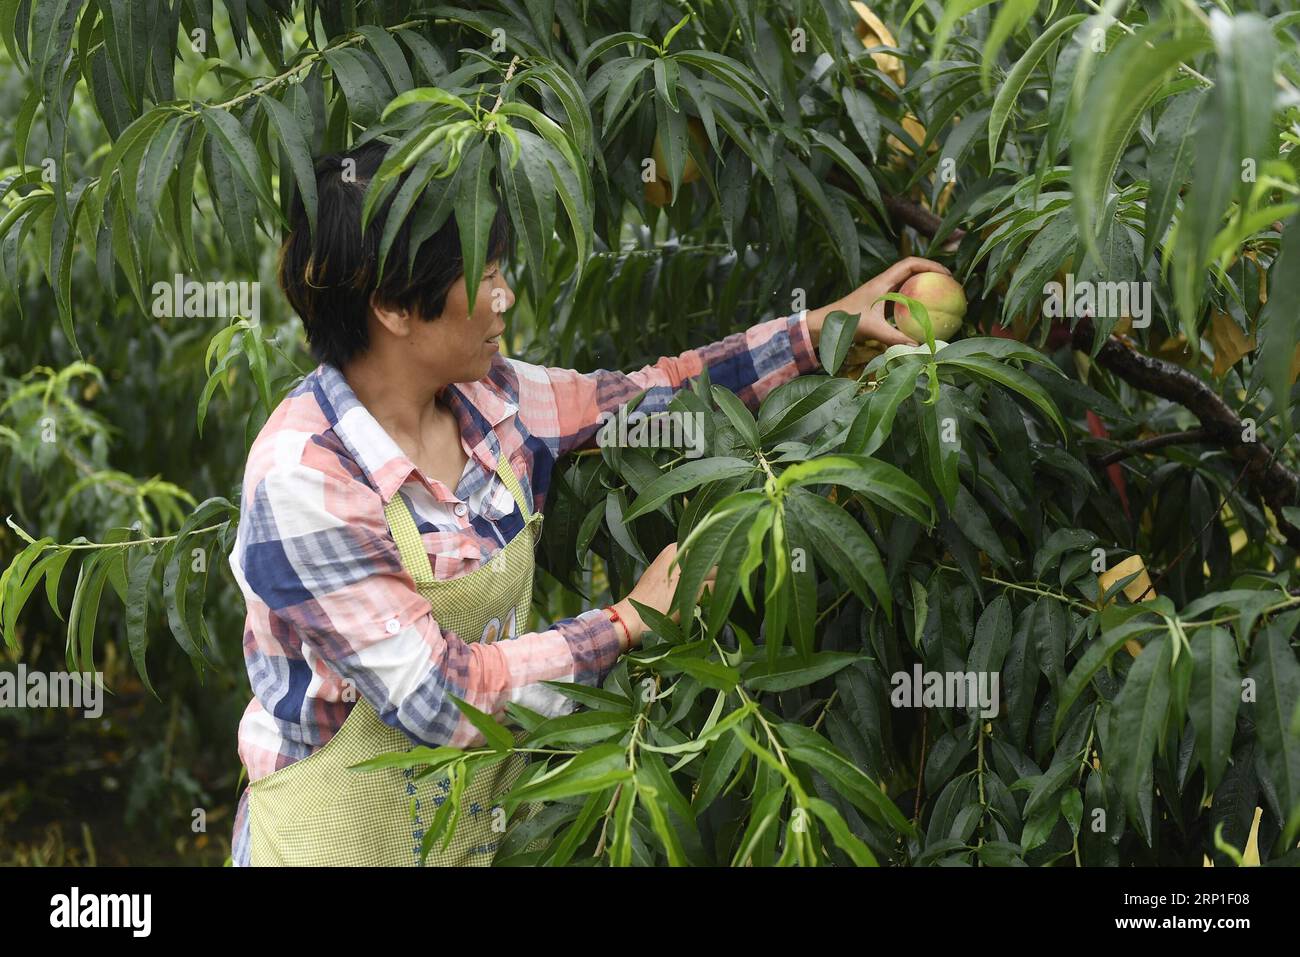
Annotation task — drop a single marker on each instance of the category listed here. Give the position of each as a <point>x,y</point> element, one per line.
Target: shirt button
<point>461,509</point>
<point>392,626</point>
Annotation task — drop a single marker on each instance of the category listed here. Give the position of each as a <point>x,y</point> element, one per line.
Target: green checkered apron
<point>317,812</point>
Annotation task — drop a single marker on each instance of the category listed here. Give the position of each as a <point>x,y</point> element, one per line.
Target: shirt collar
<point>479,407</point>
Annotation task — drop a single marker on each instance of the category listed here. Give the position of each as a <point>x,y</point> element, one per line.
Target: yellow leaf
<point>873,32</point>
<point>1229,343</point>
<point>915,130</point>
<point>1134,590</point>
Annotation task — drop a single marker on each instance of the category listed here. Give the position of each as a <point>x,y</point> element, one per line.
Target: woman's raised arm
<point>567,408</point>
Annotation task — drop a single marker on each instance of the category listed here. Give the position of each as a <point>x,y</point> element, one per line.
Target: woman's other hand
<point>655,590</point>
<point>862,301</point>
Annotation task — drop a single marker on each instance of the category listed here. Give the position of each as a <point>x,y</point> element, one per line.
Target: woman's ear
<point>396,320</point>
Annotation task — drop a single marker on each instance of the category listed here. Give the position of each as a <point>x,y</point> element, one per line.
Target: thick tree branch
<point>1273,482</point>
<point>912,214</point>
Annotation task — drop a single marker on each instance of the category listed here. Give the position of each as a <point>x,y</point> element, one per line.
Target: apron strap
<point>409,544</point>
<point>507,474</point>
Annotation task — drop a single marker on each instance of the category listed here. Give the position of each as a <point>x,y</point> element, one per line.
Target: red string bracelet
<point>616,617</point>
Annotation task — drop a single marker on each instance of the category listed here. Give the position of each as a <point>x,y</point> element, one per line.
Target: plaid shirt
<point>331,612</point>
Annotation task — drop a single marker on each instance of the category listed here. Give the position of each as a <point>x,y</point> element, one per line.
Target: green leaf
<point>1058,543</point>
<point>684,478</point>
<point>836,338</point>
<point>871,426</point>
<point>137,614</point>
<point>426,94</point>
<point>842,547</point>
<point>810,748</point>
<point>803,591</point>
<point>738,415</point>
<point>1234,129</point>
<point>581,728</point>
<point>1280,327</point>
<point>597,698</point>
<point>880,482</point>
<point>1139,716</point>
<point>1215,697</point>
<point>1277,678</point>
<point>475,209</point>
<point>229,133</point>
<point>365,90</point>
<point>649,796</point>
<point>1129,79</point>
<point>16,585</point>
<point>952,12</point>
<point>974,524</point>
<point>498,737</point>
<point>1012,378</point>
<point>85,609</point>
<point>293,139</point>
<point>762,817</point>
<point>1045,786</point>
<point>711,674</point>
<point>176,573</point>
<point>862,114</point>
<point>1009,89</point>
<point>1169,165</point>
<point>564,849</point>
<point>938,419</point>
<point>718,765</point>
<point>1098,653</point>
<point>604,44</point>
<point>844,839</point>
<point>1051,625</point>
<point>572,179</point>
<point>992,638</point>
<point>733,720</point>
<point>793,671</point>
<point>530,196</point>
<point>802,406</point>
<point>1012,17</point>
<point>595,769</point>
<point>857,172</point>
<point>390,56</point>
<point>126,38</point>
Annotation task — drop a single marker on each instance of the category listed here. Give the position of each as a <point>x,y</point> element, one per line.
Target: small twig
<point>829,701</point>
<point>1188,437</point>
<point>506,82</point>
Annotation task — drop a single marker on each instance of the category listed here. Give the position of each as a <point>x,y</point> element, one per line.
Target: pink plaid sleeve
<point>314,558</point>
<point>564,407</point>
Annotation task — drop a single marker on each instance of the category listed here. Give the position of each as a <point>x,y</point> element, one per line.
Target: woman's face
<point>460,344</point>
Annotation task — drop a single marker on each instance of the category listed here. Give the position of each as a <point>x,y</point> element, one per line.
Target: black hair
<point>329,276</point>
